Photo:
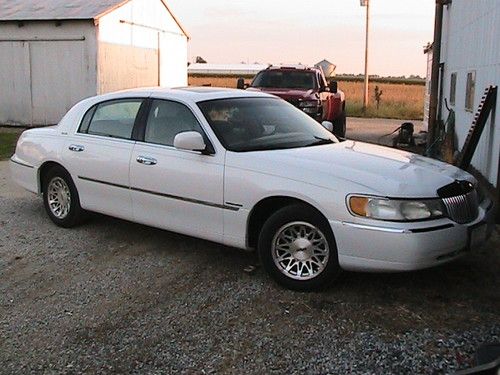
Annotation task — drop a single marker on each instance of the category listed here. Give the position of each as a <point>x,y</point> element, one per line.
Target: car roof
<point>299,68</point>
<point>191,93</point>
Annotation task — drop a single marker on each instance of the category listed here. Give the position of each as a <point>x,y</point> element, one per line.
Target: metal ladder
<point>483,111</point>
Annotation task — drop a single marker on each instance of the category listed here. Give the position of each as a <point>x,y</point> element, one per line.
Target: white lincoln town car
<point>251,171</point>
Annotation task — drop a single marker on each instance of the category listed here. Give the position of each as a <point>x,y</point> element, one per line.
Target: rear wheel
<point>60,198</point>
<point>297,248</point>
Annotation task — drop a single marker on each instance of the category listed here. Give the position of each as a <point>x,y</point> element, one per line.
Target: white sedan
<point>251,171</point>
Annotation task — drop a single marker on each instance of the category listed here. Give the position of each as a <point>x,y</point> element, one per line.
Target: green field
<point>401,99</point>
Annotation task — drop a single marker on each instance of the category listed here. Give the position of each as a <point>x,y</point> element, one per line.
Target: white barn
<point>470,55</point>
<point>53,53</point>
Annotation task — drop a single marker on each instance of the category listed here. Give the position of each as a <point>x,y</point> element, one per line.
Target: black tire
<point>75,213</point>
<point>300,213</point>
<point>339,125</point>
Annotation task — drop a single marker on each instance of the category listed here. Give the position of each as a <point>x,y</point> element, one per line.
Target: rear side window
<point>112,119</point>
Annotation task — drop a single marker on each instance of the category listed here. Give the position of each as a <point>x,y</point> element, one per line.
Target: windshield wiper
<point>320,141</point>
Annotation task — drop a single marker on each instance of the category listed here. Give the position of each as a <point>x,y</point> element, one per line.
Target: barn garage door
<point>58,76</point>
<point>49,78</point>
<point>15,98</point>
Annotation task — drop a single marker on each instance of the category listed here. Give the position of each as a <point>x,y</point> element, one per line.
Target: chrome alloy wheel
<point>300,250</point>
<point>59,197</point>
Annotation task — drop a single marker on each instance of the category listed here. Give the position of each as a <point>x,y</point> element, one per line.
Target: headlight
<point>395,209</point>
<point>309,103</point>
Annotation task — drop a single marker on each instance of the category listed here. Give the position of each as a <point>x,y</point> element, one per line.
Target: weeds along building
<point>54,53</point>
<point>470,62</point>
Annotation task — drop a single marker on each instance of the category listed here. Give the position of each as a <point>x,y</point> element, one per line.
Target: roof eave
<point>176,20</point>
<point>107,11</point>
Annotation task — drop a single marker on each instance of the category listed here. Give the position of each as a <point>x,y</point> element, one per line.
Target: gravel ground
<point>377,130</point>
<point>112,296</point>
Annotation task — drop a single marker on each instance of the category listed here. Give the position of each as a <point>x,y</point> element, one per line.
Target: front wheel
<point>297,248</point>
<point>339,125</point>
<point>60,198</point>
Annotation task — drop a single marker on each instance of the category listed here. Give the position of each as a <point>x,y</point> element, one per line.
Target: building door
<point>15,98</point>
<point>42,80</point>
<point>58,79</point>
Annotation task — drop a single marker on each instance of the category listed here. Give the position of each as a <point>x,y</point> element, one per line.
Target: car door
<point>176,189</point>
<point>98,156</point>
<point>325,98</point>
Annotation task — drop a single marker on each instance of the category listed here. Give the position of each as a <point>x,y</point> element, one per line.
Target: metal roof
<point>27,10</point>
<point>43,10</point>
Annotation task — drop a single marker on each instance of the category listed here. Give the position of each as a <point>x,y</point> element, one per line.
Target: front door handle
<point>146,160</point>
<point>76,148</point>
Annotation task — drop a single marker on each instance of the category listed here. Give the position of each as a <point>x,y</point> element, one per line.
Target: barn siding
<point>470,42</point>
<point>140,28</point>
<point>45,69</point>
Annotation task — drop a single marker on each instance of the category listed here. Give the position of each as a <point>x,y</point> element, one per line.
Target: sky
<point>306,31</point>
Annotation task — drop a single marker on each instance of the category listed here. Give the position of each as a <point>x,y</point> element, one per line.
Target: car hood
<point>357,166</point>
<point>287,94</point>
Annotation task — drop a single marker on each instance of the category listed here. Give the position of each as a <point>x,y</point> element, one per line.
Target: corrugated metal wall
<point>471,43</point>
<point>141,67</point>
<point>45,69</point>
<point>151,43</point>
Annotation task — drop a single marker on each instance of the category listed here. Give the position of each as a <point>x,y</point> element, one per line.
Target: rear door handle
<point>146,160</point>
<point>76,148</point>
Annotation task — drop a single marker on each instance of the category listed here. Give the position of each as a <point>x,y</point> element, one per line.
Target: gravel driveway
<point>112,296</point>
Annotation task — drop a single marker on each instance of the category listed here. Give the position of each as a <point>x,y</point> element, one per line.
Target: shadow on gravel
<point>454,295</point>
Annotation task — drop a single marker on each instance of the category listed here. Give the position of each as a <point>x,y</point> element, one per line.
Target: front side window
<point>167,119</point>
<point>453,88</point>
<point>470,91</point>
<point>290,79</point>
<point>252,124</point>
<point>112,119</point>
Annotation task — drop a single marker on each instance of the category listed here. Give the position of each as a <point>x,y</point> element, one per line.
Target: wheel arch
<point>265,208</point>
<point>43,169</point>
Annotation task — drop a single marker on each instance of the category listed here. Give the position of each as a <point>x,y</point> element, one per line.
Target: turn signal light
<point>358,205</point>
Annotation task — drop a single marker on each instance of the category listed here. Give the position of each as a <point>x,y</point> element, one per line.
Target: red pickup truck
<point>307,89</point>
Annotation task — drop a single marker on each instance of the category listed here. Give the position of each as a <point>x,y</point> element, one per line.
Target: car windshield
<point>252,124</point>
<point>288,79</point>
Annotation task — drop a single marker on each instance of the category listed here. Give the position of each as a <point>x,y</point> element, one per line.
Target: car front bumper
<point>376,246</point>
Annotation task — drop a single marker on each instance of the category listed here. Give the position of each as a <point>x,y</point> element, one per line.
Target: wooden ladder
<point>483,111</point>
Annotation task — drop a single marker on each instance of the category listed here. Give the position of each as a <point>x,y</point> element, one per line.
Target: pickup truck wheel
<point>60,198</point>
<point>297,248</point>
<point>339,125</point>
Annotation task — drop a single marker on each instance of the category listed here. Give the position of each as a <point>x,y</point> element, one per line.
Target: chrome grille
<point>462,208</point>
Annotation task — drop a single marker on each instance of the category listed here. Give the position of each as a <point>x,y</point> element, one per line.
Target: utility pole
<point>366,3</point>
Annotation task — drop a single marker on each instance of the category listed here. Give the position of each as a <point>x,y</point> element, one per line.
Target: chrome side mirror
<point>328,126</point>
<point>333,86</point>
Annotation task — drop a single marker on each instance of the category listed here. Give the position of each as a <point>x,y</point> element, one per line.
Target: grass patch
<point>8,144</point>
<point>390,109</point>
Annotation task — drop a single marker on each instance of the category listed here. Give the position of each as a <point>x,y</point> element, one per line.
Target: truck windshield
<point>252,124</point>
<point>289,79</point>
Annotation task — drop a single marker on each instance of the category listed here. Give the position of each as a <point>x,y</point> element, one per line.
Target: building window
<point>453,88</point>
<point>470,90</point>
